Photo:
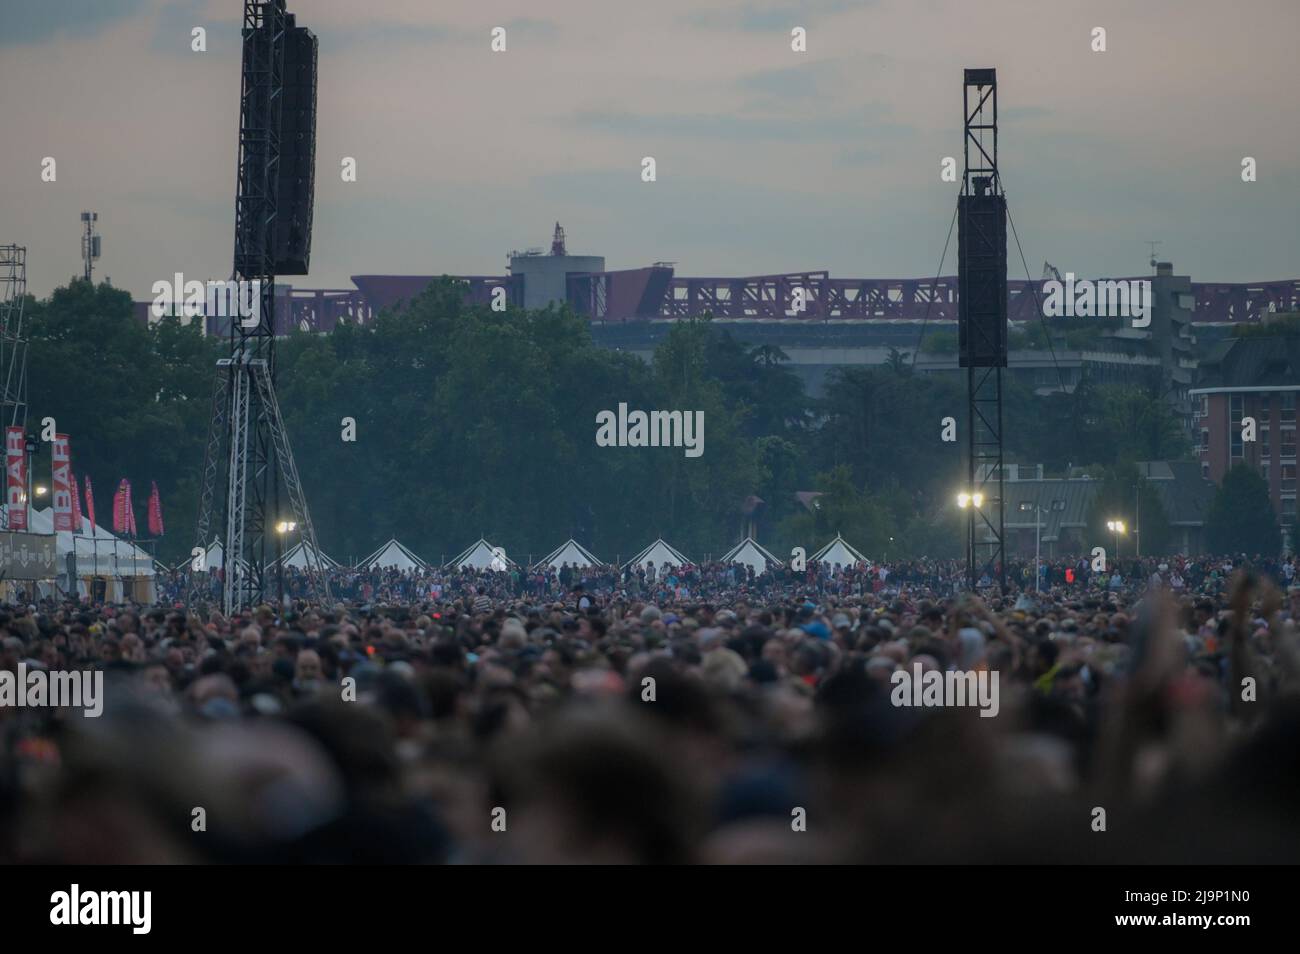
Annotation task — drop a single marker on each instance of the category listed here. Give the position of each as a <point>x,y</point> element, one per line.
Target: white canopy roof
<point>659,553</point>
<point>214,558</point>
<point>99,553</point>
<point>572,553</point>
<point>297,557</point>
<point>481,556</point>
<point>838,552</point>
<point>393,554</point>
<point>750,553</point>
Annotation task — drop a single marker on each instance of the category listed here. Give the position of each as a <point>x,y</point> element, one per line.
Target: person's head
<point>307,667</point>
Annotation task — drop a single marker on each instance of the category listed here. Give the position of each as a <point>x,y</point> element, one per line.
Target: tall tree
<point>1241,517</point>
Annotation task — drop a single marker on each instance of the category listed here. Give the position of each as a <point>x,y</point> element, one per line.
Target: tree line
<point>470,422</point>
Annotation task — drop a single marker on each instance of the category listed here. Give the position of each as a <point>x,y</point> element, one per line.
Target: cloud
<point>33,22</point>
<point>760,17</point>
<point>737,128</point>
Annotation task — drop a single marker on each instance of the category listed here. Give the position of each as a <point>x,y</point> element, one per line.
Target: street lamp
<point>1037,508</point>
<point>1116,527</point>
<point>41,490</point>
<point>281,528</point>
<point>965,500</point>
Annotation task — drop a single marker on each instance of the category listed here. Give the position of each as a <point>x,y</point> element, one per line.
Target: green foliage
<point>1125,495</point>
<point>134,400</point>
<point>472,422</point>
<point>939,342</point>
<point>845,509</point>
<point>1241,517</point>
<point>1282,325</point>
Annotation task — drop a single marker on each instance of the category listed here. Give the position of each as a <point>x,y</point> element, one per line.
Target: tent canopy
<point>297,557</point>
<point>214,558</point>
<point>99,553</point>
<point>481,556</point>
<point>571,552</point>
<point>393,554</point>
<point>839,553</point>
<point>751,554</point>
<point>659,553</point>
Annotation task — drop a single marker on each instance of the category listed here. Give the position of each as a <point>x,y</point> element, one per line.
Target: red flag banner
<point>90,504</point>
<point>16,477</point>
<point>130,513</point>
<point>61,459</point>
<point>155,511</point>
<point>119,508</point>
<point>76,502</point>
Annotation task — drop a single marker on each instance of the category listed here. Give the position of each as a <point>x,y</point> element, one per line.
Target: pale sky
<point>768,160</point>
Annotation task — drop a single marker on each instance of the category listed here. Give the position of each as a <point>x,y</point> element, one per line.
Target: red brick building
<point>1251,378</point>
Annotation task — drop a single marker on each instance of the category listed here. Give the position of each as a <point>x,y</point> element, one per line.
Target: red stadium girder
<point>777,297</point>
<point>792,296</point>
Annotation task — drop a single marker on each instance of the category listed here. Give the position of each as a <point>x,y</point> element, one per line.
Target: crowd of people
<point>713,580</point>
<point>699,713</point>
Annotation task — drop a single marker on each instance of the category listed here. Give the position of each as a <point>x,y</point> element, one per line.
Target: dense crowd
<point>715,580</point>
<point>675,714</point>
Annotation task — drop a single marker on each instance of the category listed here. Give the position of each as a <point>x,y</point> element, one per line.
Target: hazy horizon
<point>768,160</point>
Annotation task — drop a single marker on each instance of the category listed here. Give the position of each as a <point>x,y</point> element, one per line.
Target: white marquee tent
<point>482,555</point>
<point>128,569</point>
<point>658,553</point>
<point>751,554</point>
<point>838,553</point>
<point>214,558</point>
<point>573,553</point>
<point>297,557</point>
<point>393,554</point>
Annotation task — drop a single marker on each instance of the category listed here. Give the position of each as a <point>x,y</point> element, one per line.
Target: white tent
<point>214,558</point>
<point>751,554</point>
<point>393,554</point>
<point>481,556</point>
<point>572,553</point>
<point>838,553</point>
<point>297,557</point>
<point>658,553</point>
<point>98,553</point>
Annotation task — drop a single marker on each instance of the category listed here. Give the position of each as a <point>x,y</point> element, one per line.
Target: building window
<point>1288,443</point>
<point>1236,408</point>
<point>1205,438</point>
<point>1058,505</point>
<point>1205,405</point>
<point>1265,445</point>
<point>1288,407</point>
<point>1288,478</point>
<point>1205,469</point>
<point>1288,506</point>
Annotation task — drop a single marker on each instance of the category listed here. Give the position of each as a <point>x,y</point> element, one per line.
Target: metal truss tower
<point>982,324</point>
<point>246,437</point>
<point>13,336</point>
<point>13,343</point>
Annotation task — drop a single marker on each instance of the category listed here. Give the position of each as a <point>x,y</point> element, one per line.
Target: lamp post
<point>1037,508</point>
<point>33,445</point>
<point>281,528</point>
<point>1116,527</point>
<point>967,500</point>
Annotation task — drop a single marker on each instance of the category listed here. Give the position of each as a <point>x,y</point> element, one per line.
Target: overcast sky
<point>768,160</point>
